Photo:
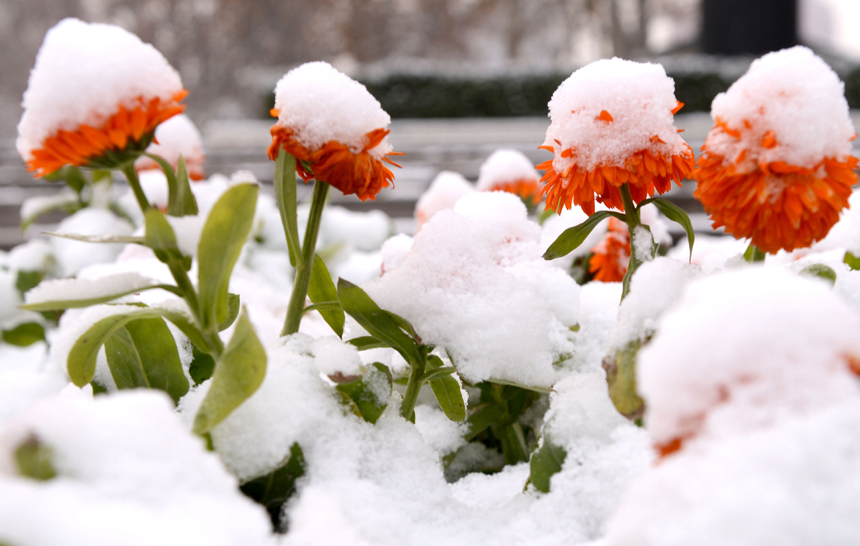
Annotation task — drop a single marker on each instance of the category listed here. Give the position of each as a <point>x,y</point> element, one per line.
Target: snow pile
<point>790,107</point>
<point>363,231</point>
<point>320,104</point>
<point>751,372</point>
<point>475,284</point>
<point>444,192</point>
<point>176,136</point>
<point>71,256</point>
<point>83,73</point>
<point>506,167</point>
<point>127,473</point>
<point>638,98</point>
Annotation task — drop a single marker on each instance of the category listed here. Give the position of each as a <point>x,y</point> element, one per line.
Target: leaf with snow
<point>75,293</point>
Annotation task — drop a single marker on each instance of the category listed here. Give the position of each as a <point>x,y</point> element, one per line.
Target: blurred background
<point>460,77</point>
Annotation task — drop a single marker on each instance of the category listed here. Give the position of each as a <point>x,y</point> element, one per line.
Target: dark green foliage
<point>276,488</point>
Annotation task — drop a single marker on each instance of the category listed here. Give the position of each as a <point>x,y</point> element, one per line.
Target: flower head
<point>176,136</point>
<point>610,257</point>
<point>777,166</point>
<point>94,98</point>
<point>513,172</point>
<point>612,124</point>
<point>334,128</point>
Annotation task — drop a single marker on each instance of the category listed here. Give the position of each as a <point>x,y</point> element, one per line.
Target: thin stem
<point>754,254</point>
<point>413,386</point>
<point>304,268</point>
<point>631,213</point>
<point>134,182</point>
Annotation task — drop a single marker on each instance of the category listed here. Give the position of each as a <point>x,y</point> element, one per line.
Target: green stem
<point>631,213</point>
<point>134,182</point>
<point>754,254</point>
<point>631,216</point>
<point>413,386</point>
<point>305,266</point>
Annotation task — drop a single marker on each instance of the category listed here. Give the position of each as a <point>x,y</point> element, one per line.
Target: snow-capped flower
<point>334,128</point>
<point>513,172</point>
<point>612,124</point>
<point>777,167</point>
<point>609,257</point>
<point>176,136</point>
<point>445,190</point>
<point>94,98</point>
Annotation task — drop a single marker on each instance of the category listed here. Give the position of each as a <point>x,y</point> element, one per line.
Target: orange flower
<point>775,204</point>
<point>352,173</point>
<point>527,189</point>
<point>611,256</point>
<point>645,172</point>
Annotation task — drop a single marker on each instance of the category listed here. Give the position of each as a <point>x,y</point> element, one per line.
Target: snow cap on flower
<point>176,136</point>
<point>777,167</point>
<point>331,122</point>
<point>444,192</point>
<point>510,171</point>
<point>612,123</point>
<point>743,350</point>
<point>94,88</point>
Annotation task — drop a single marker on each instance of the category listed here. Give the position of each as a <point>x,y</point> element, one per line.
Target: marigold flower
<point>612,124</point>
<point>334,128</point>
<point>176,136</point>
<point>610,257</point>
<point>94,98</point>
<point>777,166</point>
<point>512,172</point>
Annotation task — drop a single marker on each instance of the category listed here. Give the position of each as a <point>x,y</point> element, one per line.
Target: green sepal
<point>322,289</point>
<point>239,372</point>
<point>572,237</point>
<point>367,405</point>
<point>274,489</point>
<point>545,461</point>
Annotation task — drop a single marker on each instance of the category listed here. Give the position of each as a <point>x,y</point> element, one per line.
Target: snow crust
<point>443,193</point>
<point>321,104</point>
<point>639,97</point>
<point>503,167</point>
<point>83,73</point>
<point>793,94</point>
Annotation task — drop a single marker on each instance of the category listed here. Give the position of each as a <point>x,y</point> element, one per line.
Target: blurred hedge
<point>423,96</point>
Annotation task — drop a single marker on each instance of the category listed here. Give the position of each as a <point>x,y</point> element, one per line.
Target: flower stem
<point>134,182</point>
<point>413,386</point>
<point>631,213</point>
<point>631,216</point>
<point>754,254</point>
<point>306,264</point>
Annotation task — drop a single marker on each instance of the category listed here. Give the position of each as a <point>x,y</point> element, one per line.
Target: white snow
<point>71,255</point>
<point>176,136</point>
<point>443,193</point>
<point>505,166</point>
<point>640,98</point>
<point>792,94</point>
<point>321,104</point>
<point>83,73</point>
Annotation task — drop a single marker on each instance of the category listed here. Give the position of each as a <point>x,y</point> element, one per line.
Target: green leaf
<point>28,280</point>
<point>89,302</point>
<point>81,361</point>
<point>285,195</point>
<point>366,342</point>
<point>572,237</point>
<point>275,488</point>
<point>25,334</point>
<point>362,392</point>
<point>437,373</point>
<point>378,323</point>
<point>754,254</point>
<point>183,203</point>
<point>221,241</point>
<point>233,306</point>
<point>676,214</point>
<point>161,238</point>
<point>483,417</point>
<point>202,365</point>
<point>106,239</point>
<point>621,377</point>
<point>35,460</point>
<point>821,271</point>
<point>144,354</point>
<point>851,261</point>
<point>545,461</point>
<point>321,289</point>
<point>450,397</point>
<point>239,372</point>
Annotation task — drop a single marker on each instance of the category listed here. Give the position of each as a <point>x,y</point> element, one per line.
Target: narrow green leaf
<point>25,334</point>
<point>450,397</point>
<point>285,195</point>
<point>377,322</point>
<point>366,342</point>
<point>35,460</point>
<point>321,289</point>
<point>144,354</point>
<point>545,462</point>
<point>437,373</point>
<point>274,489</point>
<point>572,237</point>
<point>851,261</point>
<point>238,374</point>
<point>821,271</point>
<point>364,392</point>
<point>184,203</point>
<point>221,241</point>
<point>676,214</point>
<point>159,236</point>
<point>233,306</point>
<point>202,365</point>
<point>81,361</point>
<point>89,302</point>
<point>483,417</point>
<point>108,239</point>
